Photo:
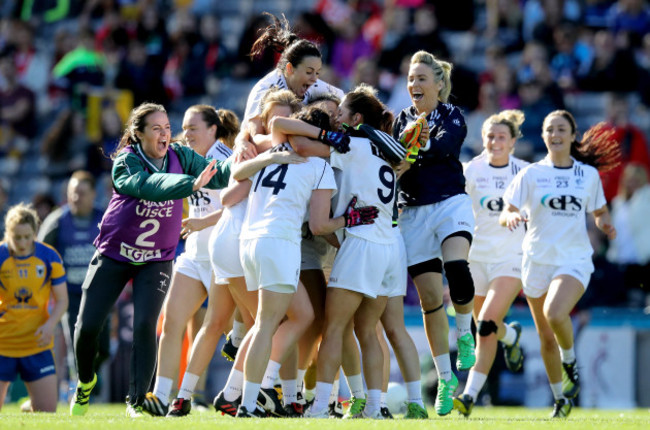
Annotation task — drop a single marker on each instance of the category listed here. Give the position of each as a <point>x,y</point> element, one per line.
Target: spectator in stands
<point>4,199</point>
<point>631,17</point>
<point>32,64</point>
<point>631,248</point>
<point>17,111</point>
<point>367,72</point>
<point>504,24</point>
<point>64,144</point>
<point>596,13</point>
<point>264,61</point>
<point>43,204</point>
<point>542,16</point>
<point>423,35</point>
<point>572,56</point>
<point>631,139</point>
<point>349,47</point>
<point>487,106</point>
<point>141,74</point>
<point>152,32</point>
<point>643,59</point>
<point>80,69</point>
<point>612,68</point>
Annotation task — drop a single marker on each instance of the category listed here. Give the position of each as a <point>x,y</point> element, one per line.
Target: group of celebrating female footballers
<point>320,180</point>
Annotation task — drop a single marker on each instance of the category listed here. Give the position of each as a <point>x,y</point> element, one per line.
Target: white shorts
<point>271,263</point>
<point>316,254</point>
<point>224,250</point>
<point>363,266</point>
<point>484,273</point>
<point>199,270</point>
<point>425,227</point>
<point>396,279</point>
<point>537,277</point>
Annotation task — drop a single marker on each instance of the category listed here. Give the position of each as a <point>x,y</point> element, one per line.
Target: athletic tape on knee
<point>430,311</point>
<point>486,328</point>
<point>429,266</point>
<point>461,285</point>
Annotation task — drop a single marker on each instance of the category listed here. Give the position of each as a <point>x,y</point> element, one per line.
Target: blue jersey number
<point>387,178</point>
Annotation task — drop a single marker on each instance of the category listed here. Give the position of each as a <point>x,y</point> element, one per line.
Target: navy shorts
<point>30,368</point>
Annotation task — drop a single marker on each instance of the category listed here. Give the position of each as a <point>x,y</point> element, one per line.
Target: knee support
<point>434,265</point>
<point>486,328</point>
<point>461,285</point>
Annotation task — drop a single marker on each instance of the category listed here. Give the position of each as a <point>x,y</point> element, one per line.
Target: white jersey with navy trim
<point>362,172</point>
<point>203,202</point>
<point>556,201</point>
<point>486,184</point>
<point>280,194</point>
<point>275,79</point>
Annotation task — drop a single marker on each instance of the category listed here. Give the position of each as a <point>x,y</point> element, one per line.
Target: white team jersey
<point>363,173</point>
<point>203,202</point>
<point>486,184</point>
<point>275,79</point>
<point>557,200</point>
<point>279,197</point>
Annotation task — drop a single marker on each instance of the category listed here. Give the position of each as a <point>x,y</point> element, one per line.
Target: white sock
<point>355,382</point>
<point>272,372</point>
<point>237,333</point>
<point>334,394</point>
<point>188,385</point>
<point>323,391</point>
<point>510,336</point>
<point>475,382</point>
<point>414,391</point>
<point>162,389</point>
<point>568,355</point>
<point>249,398</point>
<point>443,366</point>
<point>373,403</point>
<point>382,399</point>
<point>234,385</point>
<point>557,390</point>
<point>289,391</point>
<point>463,323</point>
<point>300,380</point>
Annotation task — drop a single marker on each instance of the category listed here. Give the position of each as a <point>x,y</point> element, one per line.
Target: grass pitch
<point>109,417</point>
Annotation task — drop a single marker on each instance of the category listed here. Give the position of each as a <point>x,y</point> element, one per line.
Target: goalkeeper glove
<point>414,137</point>
<point>359,215</point>
<point>339,141</point>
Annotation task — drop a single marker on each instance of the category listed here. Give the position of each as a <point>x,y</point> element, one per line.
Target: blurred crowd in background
<point>71,70</point>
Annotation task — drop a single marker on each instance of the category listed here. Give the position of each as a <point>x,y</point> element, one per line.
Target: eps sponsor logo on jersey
<point>563,202</point>
<point>492,203</point>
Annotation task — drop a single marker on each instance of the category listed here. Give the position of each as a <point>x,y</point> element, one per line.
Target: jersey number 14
<point>270,181</point>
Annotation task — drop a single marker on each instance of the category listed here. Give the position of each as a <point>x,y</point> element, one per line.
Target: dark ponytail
<point>279,37</point>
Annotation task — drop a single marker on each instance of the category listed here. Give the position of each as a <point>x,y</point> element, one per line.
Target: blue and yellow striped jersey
<point>25,286</point>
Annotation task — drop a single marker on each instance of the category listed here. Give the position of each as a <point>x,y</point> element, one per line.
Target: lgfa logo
<point>491,203</point>
<point>562,202</point>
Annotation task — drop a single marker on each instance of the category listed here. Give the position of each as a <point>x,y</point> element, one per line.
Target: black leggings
<point>104,282</point>
<point>103,340</point>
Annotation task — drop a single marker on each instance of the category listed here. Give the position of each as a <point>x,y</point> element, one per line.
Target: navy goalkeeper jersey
<point>437,173</point>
